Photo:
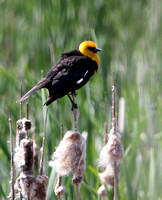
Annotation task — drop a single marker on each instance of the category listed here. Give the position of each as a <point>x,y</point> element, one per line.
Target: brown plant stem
<point>43,145</point>
<point>27,117</point>
<point>115,181</point>
<point>75,114</point>
<point>114,126</point>
<point>59,177</point>
<point>59,184</point>
<point>77,191</point>
<point>12,159</point>
<point>105,133</point>
<point>21,104</point>
<point>113,108</point>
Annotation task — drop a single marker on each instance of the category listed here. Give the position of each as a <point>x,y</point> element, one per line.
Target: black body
<point>71,72</point>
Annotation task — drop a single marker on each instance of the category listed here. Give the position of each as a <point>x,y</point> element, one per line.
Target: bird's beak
<point>98,49</point>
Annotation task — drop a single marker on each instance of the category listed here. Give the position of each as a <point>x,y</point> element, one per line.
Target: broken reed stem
<point>77,191</point>
<point>12,159</point>
<point>27,117</point>
<point>43,145</point>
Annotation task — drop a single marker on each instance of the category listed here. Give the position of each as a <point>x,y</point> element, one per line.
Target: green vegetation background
<point>130,34</point>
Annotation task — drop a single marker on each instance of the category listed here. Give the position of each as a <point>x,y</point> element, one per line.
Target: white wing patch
<point>79,81</point>
<point>86,73</point>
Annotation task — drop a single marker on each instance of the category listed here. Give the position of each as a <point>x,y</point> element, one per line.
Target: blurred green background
<point>33,34</point>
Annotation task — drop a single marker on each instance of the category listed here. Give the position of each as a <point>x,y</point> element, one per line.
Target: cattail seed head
<point>38,188</point>
<point>113,151</point>
<point>19,124</point>
<point>70,155</point>
<point>19,136</point>
<point>27,125</point>
<point>59,190</point>
<point>102,190</point>
<point>24,155</point>
<point>36,155</point>
<point>107,177</point>
<point>26,178</point>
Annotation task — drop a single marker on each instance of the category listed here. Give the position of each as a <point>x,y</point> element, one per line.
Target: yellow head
<point>90,49</point>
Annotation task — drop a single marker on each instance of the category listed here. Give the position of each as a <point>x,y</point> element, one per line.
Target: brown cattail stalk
<point>12,159</point>
<point>111,155</point>
<point>27,116</point>
<point>75,114</point>
<point>21,104</point>
<point>43,145</point>
<point>105,133</point>
<point>114,122</point>
<point>59,179</point>
<point>77,191</point>
<point>35,150</point>
<point>115,181</point>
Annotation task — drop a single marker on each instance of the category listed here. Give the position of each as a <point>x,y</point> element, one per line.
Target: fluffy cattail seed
<point>70,156</point>
<point>107,177</point>
<point>24,155</point>
<point>26,178</point>
<point>38,188</point>
<point>113,151</point>
<point>102,190</point>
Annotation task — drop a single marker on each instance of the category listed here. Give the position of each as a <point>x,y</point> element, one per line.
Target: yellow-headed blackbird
<point>71,72</point>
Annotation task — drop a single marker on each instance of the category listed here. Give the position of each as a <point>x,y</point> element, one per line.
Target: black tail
<point>39,85</point>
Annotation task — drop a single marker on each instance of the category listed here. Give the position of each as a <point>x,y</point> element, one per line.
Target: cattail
<point>24,155</point>
<point>38,188</point>
<point>26,178</point>
<point>113,151</point>
<point>35,151</point>
<point>20,134</point>
<point>70,156</point>
<point>59,189</point>
<point>102,191</point>
<point>107,177</point>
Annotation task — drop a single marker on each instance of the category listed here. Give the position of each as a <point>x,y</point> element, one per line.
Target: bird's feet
<point>74,105</point>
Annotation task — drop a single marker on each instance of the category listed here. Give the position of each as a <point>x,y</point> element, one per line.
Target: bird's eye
<point>93,49</point>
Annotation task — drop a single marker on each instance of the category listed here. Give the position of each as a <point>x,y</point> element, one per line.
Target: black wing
<point>76,72</point>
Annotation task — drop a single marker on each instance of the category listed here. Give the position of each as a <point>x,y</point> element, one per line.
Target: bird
<point>72,71</point>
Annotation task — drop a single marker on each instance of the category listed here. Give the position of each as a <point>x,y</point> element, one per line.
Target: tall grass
<point>130,34</point>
